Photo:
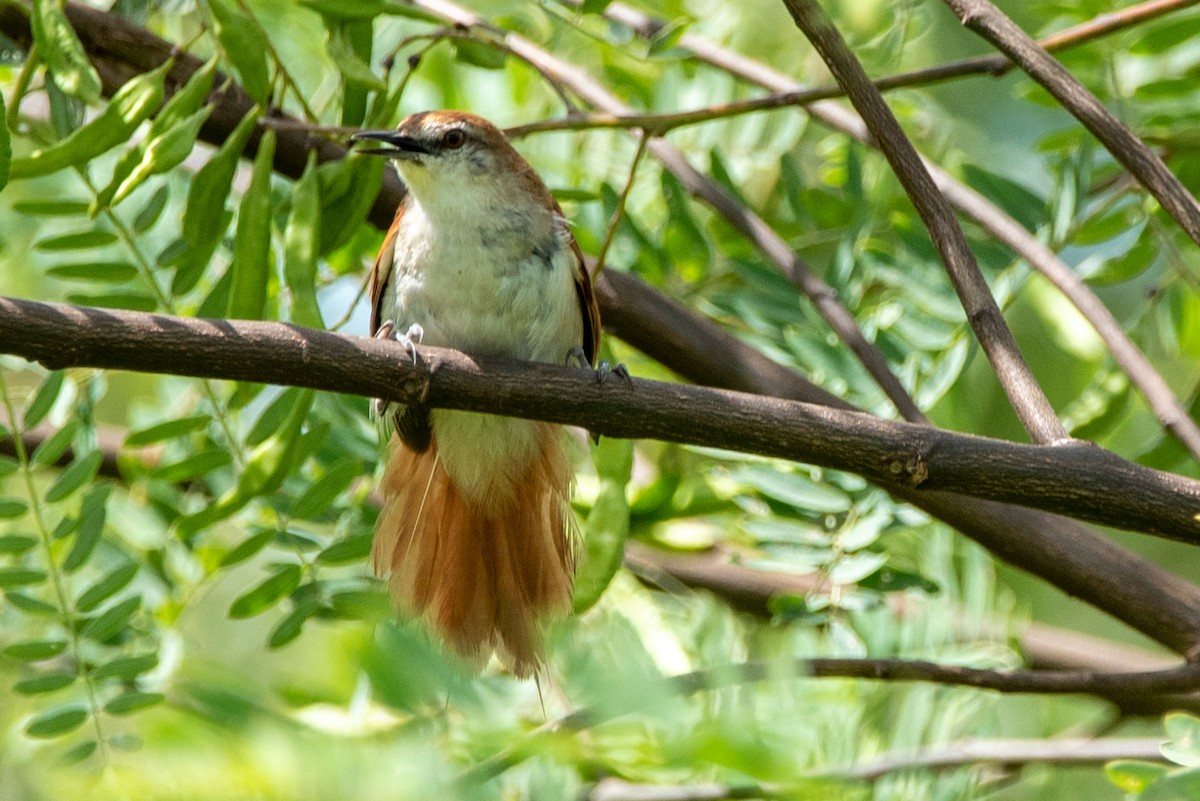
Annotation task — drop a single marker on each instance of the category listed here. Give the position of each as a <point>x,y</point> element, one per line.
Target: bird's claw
<point>409,339</point>
<point>604,370</point>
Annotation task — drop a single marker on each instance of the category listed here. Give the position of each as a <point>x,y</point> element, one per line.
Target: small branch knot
<point>906,467</point>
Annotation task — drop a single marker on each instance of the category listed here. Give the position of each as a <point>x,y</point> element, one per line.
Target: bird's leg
<point>409,339</point>
<point>602,371</point>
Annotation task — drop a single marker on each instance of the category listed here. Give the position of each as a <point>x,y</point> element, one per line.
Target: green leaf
<point>80,240</point>
<point>167,430</point>
<point>54,446</point>
<point>607,524</point>
<point>133,103</point>
<point>78,753</point>
<point>347,9</point>
<point>252,242</point>
<point>354,70</point>
<point>106,587</point>
<point>348,190</point>
<point>317,499</point>
<point>20,577</point>
<point>111,620</point>
<point>92,514</point>
<point>132,701</point>
<point>56,722</point>
<point>354,548</point>
<point>194,466</point>
<point>126,667</point>
<point>290,627</point>
<point>1184,733</point>
<point>62,51</point>
<point>133,301</point>
<point>30,604</point>
<point>11,508</point>
<point>247,548</point>
<point>271,461</point>
<point>51,208</point>
<point>35,651</point>
<point>44,684</point>
<point>162,153</point>
<point>16,543</point>
<point>44,400</point>
<point>79,472</point>
<point>244,44</point>
<point>205,219</point>
<point>148,216</point>
<point>302,238</point>
<point>479,54</point>
<point>793,489</point>
<point>594,6</point>
<point>109,272</point>
<point>262,597</point>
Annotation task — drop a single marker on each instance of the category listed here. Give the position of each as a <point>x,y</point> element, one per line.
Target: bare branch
<point>1065,751</point>
<point>989,22</point>
<point>1111,685</point>
<point>1024,393</point>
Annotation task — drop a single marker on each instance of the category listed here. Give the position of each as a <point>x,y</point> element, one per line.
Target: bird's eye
<point>454,139</point>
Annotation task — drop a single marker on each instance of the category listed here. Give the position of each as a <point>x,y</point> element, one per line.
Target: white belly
<point>511,298</point>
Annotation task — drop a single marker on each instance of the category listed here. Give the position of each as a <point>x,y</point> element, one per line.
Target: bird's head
<point>440,152</point>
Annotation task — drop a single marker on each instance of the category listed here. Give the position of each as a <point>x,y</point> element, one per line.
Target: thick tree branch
<point>1143,163</point>
<point>1078,479</point>
<point>1023,390</point>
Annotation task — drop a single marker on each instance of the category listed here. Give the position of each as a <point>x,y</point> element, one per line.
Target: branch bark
<point>1080,480</point>
<point>1023,390</point>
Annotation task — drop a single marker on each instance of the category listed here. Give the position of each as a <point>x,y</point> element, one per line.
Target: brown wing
<point>411,422</point>
<point>381,273</point>
<point>587,306</point>
<point>583,289</point>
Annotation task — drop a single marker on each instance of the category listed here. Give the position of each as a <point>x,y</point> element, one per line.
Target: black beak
<point>402,147</point>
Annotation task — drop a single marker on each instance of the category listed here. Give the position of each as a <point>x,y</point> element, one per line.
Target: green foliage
<point>199,611</point>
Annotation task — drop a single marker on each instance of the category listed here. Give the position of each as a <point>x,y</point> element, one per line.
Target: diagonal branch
<point>1143,163</point>
<point>1159,396</point>
<point>1023,390</point>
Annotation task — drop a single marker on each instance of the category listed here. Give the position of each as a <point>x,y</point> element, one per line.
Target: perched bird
<point>476,529</point>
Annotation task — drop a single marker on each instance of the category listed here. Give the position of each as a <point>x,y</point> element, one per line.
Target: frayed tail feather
<point>485,572</point>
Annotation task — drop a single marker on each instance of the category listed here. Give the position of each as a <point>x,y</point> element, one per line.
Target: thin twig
<point>619,211</point>
<point>983,314</point>
<point>659,124</point>
<point>989,22</point>
<point>1186,677</point>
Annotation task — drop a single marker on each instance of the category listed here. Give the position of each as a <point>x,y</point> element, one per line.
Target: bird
<point>476,529</point>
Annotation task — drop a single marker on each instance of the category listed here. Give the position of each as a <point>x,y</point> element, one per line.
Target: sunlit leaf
<point>60,48</point>
<point>56,722</point>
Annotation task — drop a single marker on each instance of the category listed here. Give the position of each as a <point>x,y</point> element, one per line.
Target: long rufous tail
<point>484,572</point>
